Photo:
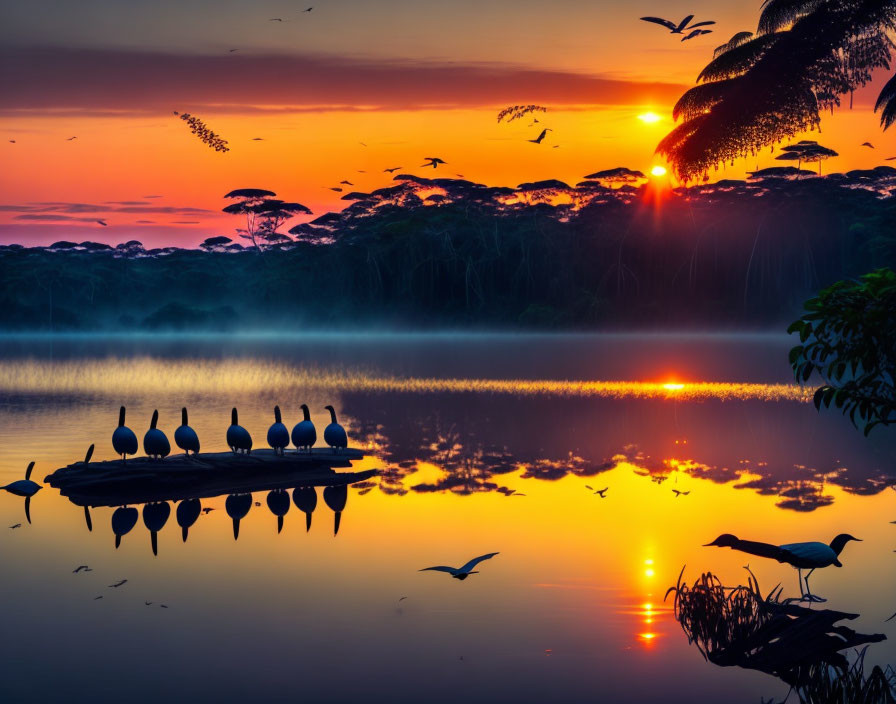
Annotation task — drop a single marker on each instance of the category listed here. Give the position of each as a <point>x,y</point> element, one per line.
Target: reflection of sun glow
<point>673,387</point>
<point>649,572</point>
<point>658,171</point>
<point>649,118</point>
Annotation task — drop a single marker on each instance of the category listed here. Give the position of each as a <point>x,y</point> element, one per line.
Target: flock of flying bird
<point>157,446</point>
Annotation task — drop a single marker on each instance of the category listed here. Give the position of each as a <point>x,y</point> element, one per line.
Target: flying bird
<point>347,183</point>
<point>12,141</point>
<point>308,10</point>
<point>867,144</point>
<point>462,573</point>
<point>275,19</point>
<point>696,33</point>
<point>680,493</point>
<point>679,28</point>
<point>118,584</point>
<point>257,139</point>
<point>602,492</point>
<point>804,556</point>
<point>402,599</point>
<point>17,525</point>
<point>207,510</point>
<point>80,568</point>
<point>148,603</point>
<point>230,51</point>
<point>434,162</point>
<point>392,170</point>
<point>70,139</point>
<point>97,597</point>
<point>103,223</point>
<point>890,158</point>
<point>540,137</point>
<point>338,190</point>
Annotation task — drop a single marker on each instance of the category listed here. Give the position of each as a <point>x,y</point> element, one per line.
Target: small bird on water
<point>804,556</point>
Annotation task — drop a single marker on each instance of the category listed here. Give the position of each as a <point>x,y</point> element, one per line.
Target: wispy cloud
<point>67,81</point>
<point>63,208</point>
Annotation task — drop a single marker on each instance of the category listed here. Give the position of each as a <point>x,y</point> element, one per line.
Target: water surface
<point>484,443</point>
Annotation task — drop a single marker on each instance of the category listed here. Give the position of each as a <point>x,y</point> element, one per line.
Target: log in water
<point>143,480</point>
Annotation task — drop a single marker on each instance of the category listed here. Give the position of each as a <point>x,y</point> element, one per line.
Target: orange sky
<point>408,80</point>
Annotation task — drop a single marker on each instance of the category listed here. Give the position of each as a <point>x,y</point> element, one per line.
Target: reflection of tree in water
<point>474,439</point>
<point>801,646</point>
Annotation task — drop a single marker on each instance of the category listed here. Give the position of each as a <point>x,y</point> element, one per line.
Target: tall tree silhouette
<point>805,55</point>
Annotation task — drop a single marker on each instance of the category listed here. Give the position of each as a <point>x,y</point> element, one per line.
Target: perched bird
<point>392,170</point>
<point>334,434</point>
<point>867,144</point>
<point>540,137</point>
<point>118,584</point>
<point>602,492</point>
<point>680,493</point>
<point>124,441</point>
<point>679,28</point>
<point>434,162</point>
<point>278,435</point>
<point>804,556</point>
<point>304,434</point>
<point>103,223</point>
<point>155,442</point>
<point>462,573</point>
<point>185,437</point>
<point>238,438</point>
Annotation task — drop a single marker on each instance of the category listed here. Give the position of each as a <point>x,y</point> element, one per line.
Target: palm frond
<point>733,43</point>
<point>700,99</point>
<point>886,103</point>
<point>780,14</point>
<point>737,59</point>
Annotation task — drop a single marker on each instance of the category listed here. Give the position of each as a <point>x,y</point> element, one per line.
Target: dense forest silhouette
<point>448,252</point>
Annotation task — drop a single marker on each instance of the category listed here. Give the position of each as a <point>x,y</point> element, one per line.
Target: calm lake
<point>484,444</point>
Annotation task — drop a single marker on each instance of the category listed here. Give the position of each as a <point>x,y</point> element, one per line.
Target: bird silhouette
<point>155,442</point>
<point>680,493</point>
<point>12,141</point>
<point>97,597</point>
<point>679,28</point>
<point>696,33</point>
<point>304,434</point>
<point>346,183</point>
<point>81,568</point>
<point>867,144</point>
<point>602,492</point>
<point>275,19</point>
<point>462,573</point>
<point>118,584</point>
<point>207,510</point>
<point>890,158</point>
<point>103,223</point>
<point>334,434</point>
<point>230,51</point>
<point>71,138</point>
<point>334,188</point>
<point>257,139</point>
<point>17,525</point>
<point>392,170</point>
<point>308,10</point>
<point>184,436</point>
<point>540,137</point>
<point>809,555</point>
<point>434,162</point>
<point>402,599</point>
<point>238,438</point>
<point>278,435</point>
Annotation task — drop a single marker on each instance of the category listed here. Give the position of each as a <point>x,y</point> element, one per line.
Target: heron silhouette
<point>462,573</point>
<point>803,556</point>
<point>679,28</point>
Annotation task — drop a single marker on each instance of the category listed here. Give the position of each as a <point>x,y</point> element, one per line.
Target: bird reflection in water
<point>237,506</point>
<point>803,647</point>
<point>305,499</point>
<point>187,514</point>
<point>335,497</point>
<point>155,516</point>
<point>278,503</point>
<point>124,519</point>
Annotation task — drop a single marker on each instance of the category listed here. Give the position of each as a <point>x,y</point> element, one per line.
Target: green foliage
<point>848,336</point>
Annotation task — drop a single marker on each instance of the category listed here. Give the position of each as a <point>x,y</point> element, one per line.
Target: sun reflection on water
<point>117,377</point>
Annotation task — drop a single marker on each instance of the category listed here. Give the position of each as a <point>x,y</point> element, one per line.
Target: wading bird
<point>434,162</point>
<point>462,573</point>
<point>804,556</point>
<point>238,438</point>
<point>334,434</point>
<point>155,442</point>
<point>278,435</point>
<point>679,28</point>
<point>185,437</point>
<point>304,434</point>
<point>540,137</point>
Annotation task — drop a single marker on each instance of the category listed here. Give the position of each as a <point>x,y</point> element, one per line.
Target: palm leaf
<point>737,59</point>
<point>733,43</point>
<point>886,103</point>
<point>780,14</point>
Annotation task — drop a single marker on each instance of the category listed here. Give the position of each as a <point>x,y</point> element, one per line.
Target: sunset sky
<point>407,78</point>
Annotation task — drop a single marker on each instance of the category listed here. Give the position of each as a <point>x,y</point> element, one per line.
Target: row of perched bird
<point>156,445</point>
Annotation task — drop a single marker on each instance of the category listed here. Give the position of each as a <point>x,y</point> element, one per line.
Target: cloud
<point>37,217</point>
<point>56,207</point>
<point>120,82</point>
